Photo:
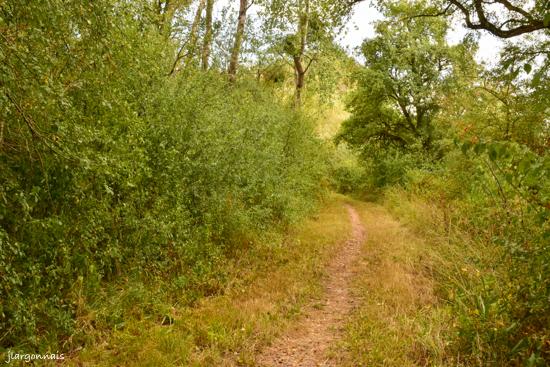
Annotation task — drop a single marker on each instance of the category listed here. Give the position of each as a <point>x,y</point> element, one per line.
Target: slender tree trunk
<point>194,36</point>
<point>299,69</point>
<point>299,79</point>
<point>191,41</point>
<point>163,9</point>
<point>239,35</point>
<point>207,42</point>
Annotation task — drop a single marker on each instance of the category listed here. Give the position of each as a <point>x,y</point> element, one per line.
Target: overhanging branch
<point>530,23</point>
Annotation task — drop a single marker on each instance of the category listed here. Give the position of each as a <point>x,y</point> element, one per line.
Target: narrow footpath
<point>308,343</point>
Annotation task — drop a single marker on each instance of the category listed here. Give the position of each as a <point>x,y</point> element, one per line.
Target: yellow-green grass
<point>330,120</point>
<point>411,263</point>
<point>466,269</point>
<point>269,284</point>
<point>399,321</point>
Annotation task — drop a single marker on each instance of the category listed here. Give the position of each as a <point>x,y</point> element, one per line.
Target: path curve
<point>307,344</point>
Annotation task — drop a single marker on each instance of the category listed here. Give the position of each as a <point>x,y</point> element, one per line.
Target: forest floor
<point>349,286</point>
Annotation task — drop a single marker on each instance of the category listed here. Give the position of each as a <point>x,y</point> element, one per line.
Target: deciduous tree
<point>408,68</point>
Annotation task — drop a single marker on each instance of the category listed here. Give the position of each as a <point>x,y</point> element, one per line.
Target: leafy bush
<point>110,169</point>
<point>347,173</point>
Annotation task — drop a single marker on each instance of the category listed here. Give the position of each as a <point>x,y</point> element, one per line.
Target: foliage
<point>131,166</point>
<point>408,69</point>
<point>270,284</point>
<point>493,197</point>
<point>348,174</point>
<point>111,169</point>
<point>482,164</point>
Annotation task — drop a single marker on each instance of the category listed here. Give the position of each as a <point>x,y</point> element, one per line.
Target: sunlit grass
<point>269,284</point>
<point>399,320</point>
<point>331,119</point>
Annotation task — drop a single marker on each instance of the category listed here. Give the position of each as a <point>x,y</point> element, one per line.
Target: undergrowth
<point>265,287</point>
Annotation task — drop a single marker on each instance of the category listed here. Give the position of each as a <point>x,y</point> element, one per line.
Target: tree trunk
<point>207,42</point>
<point>193,35</point>
<point>165,11</point>
<point>191,41</point>
<point>299,78</point>
<point>164,14</point>
<point>299,70</point>
<point>239,35</point>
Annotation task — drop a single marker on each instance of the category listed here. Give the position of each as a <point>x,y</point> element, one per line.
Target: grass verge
<point>404,282</point>
<point>267,286</point>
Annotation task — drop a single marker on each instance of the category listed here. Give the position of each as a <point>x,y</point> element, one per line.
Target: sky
<point>361,27</point>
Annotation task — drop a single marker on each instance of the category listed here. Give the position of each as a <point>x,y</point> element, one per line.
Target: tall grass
<point>495,304</point>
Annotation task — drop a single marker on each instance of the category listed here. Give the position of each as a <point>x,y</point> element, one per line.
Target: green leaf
<point>492,151</point>
<point>467,145</point>
<point>546,20</point>
<point>507,63</point>
<point>524,165</point>
<point>501,150</point>
<point>532,360</point>
<point>527,68</point>
<point>518,346</point>
<point>479,148</point>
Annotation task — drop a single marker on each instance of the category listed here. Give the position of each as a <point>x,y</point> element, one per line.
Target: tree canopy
<point>408,69</point>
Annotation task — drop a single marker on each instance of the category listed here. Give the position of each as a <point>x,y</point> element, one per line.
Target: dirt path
<point>307,344</point>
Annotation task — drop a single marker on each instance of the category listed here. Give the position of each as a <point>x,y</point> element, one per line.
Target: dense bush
<point>109,168</point>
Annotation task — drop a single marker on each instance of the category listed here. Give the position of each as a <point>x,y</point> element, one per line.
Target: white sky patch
<point>489,46</point>
<point>359,27</point>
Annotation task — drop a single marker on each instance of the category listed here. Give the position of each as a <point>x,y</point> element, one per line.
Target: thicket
<point>473,145</point>
<point>111,167</point>
<point>491,202</point>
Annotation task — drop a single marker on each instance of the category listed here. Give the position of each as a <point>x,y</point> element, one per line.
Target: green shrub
<point>111,170</point>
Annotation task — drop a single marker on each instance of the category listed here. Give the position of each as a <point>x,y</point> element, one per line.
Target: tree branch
<point>530,25</point>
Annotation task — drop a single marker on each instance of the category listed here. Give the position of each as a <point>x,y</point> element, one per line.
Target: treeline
<point>127,152</point>
<point>463,150</point>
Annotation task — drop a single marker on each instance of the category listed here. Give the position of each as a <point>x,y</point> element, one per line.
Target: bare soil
<point>308,343</point>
